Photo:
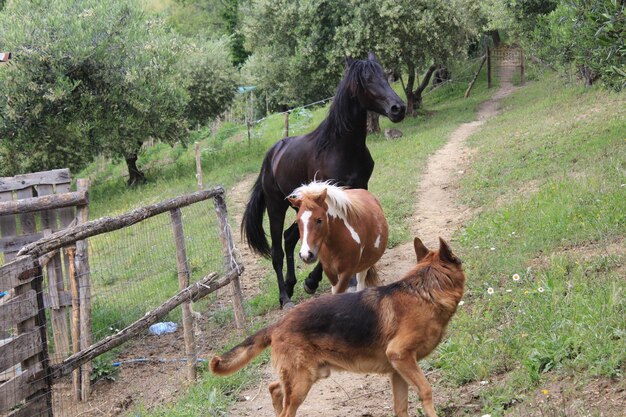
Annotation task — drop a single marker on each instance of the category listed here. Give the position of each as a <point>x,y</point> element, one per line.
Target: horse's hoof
<point>288,306</point>
<point>308,289</point>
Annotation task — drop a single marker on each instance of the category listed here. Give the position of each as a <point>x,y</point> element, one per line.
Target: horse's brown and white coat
<point>345,228</point>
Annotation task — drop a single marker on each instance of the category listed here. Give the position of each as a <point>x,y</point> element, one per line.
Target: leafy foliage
<point>93,77</point>
<point>298,46</point>
<point>590,35</point>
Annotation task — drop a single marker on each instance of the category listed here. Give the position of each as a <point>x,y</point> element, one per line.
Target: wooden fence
<point>25,354</point>
<point>30,391</point>
<point>36,205</point>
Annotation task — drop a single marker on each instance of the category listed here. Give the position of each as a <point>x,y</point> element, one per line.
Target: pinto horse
<point>345,228</point>
<point>335,150</point>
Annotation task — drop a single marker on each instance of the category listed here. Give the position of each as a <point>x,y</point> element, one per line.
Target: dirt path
<point>437,214</point>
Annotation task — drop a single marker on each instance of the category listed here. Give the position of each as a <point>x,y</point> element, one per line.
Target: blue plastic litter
<point>3,293</point>
<point>163,328</point>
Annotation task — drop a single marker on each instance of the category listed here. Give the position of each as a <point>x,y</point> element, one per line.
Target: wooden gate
<point>24,356</point>
<point>33,206</point>
<point>507,59</point>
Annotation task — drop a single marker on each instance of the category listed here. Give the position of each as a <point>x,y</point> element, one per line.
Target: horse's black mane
<point>338,121</point>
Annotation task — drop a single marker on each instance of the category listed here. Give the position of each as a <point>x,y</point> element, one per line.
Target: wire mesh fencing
<point>135,337</point>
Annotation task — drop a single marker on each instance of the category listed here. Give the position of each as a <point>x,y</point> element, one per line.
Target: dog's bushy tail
<point>372,279</point>
<point>240,355</point>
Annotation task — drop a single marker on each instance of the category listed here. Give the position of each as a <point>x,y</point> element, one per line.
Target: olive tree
<point>93,76</point>
<point>298,46</point>
<point>410,36</point>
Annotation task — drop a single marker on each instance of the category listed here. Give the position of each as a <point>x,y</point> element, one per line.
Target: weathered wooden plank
<point>30,204</point>
<point>35,407</point>
<point>57,176</point>
<point>75,319</point>
<point>183,282</point>
<point>15,243</point>
<point>18,309</point>
<point>17,272</point>
<point>19,349</point>
<point>108,224</point>
<point>195,291</point>
<point>7,225</point>
<point>27,219</point>
<point>65,300</point>
<point>19,388</point>
<point>230,260</point>
<point>42,358</point>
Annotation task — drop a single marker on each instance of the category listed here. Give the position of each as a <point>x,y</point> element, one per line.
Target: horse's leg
<point>360,279</point>
<point>313,280</point>
<point>343,282</point>
<point>277,220</point>
<point>292,234</point>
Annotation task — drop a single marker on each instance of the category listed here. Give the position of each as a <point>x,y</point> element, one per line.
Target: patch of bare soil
<point>152,372</point>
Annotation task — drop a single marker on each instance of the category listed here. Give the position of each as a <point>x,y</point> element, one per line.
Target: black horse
<point>336,150</point>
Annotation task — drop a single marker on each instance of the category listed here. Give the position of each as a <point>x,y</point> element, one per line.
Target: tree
<point>93,77</point>
<point>209,78</point>
<point>589,35</point>
<point>295,59</point>
<point>298,46</point>
<point>411,35</point>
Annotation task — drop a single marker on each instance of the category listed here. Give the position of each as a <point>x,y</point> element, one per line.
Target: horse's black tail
<point>252,222</point>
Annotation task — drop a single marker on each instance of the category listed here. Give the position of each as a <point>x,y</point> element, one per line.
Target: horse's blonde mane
<point>337,199</point>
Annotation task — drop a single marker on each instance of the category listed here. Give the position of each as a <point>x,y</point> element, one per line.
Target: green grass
<point>547,180</point>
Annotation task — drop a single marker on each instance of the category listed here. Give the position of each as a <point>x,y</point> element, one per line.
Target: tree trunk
<point>373,124</point>
<point>408,91</point>
<point>417,94</point>
<point>588,75</point>
<point>135,176</point>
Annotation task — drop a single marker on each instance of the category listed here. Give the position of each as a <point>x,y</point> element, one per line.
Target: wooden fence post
<point>467,93</point>
<point>522,65</point>
<point>488,67</point>
<point>230,259</point>
<point>198,166</point>
<point>74,288</point>
<point>183,282</point>
<point>81,261</point>
<point>286,124</point>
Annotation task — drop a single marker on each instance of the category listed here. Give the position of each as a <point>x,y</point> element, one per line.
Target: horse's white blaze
<point>304,249</point>
<point>377,242</point>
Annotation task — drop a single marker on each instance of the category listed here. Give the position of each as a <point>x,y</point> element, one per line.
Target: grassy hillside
<point>548,185</point>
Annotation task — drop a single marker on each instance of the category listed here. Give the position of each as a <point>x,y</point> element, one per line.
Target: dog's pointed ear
<point>420,250</point>
<point>349,61</point>
<point>445,253</point>
<point>371,56</point>
<point>295,202</point>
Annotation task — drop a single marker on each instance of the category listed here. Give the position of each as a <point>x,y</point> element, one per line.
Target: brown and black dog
<point>383,330</point>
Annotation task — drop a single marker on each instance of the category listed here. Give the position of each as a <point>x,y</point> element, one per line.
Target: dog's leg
<point>400,395</point>
<point>295,391</point>
<point>276,391</point>
<point>403,361</point>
